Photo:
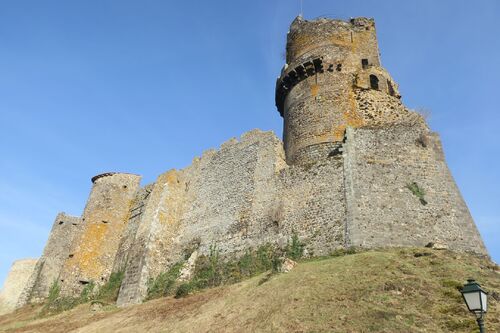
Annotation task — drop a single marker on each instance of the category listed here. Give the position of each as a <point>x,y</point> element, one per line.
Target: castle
<point>355,168</point>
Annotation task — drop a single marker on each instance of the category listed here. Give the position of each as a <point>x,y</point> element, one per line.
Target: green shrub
<point>208,270</point>
<point>211,271</point>
<point>163,284</point>
<point>87,293</point>
<point>276,263</point>
<point>54,291</point>
<point>59,305</point>
<point>109,291</point>
<point>295,249</point>
<point>343,252</point>
<point>56,304</point>
<point>183,290</point>
<point>265,256</point>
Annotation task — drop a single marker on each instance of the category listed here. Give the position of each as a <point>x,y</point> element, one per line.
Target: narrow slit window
<point>364,63</point>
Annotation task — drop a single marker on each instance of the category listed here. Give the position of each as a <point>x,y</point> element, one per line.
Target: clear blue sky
<point>144,86</point>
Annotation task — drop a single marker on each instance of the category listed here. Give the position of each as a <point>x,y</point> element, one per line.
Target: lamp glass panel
<point>473,301</point>
<point>484,299</point>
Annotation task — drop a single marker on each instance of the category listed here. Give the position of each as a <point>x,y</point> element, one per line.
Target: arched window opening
<point>374,82</point>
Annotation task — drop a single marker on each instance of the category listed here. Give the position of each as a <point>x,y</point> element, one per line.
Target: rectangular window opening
<point>364,63</point>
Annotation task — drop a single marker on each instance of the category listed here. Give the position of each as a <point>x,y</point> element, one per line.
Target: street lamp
<point>476,300</point>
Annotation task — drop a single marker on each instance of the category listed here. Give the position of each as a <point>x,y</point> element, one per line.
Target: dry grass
<point>375,291</point>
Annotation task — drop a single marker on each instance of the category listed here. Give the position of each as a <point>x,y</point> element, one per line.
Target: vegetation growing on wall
<point>163,284</point>
<point>211,271</point>
<point>417,191</point>
<point>105,294</point>
<point>108,293</point>
<point>295,248</point>
<point>57,303</point>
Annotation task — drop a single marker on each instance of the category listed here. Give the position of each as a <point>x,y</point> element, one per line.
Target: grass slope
<point>397,290</point>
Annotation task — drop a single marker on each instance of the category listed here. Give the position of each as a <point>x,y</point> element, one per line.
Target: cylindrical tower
<point>104,219</point>
<point>314,93</point>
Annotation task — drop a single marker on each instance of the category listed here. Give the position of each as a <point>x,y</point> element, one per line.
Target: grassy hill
<point>393,290</point>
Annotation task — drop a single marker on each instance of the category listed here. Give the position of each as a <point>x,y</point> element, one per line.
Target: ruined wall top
<point>107,174</point>
<point>306,38</point>
<point>327,45</point>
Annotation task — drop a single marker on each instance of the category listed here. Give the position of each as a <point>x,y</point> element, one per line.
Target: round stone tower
<point>325,61</point>
<point>104,220</point>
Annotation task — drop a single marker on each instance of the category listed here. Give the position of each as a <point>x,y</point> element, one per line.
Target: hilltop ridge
<point>392,290</point>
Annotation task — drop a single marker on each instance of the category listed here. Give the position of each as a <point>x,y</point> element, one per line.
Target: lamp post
<point>476,300</point>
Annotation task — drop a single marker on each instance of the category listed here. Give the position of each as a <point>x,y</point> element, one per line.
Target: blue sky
<point>145,86</point>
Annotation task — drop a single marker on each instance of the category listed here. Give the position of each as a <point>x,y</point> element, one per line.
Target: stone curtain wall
<point>383,165</point>
<point>135,216</point>
<point>312,205</point>
<point>224,198</point>
<point>64,230</point>
<point>237,198</point>
<point>147,253</point>
<point>245,195</point>
<point>17,279</point>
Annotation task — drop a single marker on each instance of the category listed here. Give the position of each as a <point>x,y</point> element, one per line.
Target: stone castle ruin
<point>355,168</point>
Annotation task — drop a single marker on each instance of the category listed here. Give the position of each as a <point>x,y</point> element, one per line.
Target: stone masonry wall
<point>105,219</point>
<point>161,209</point>
<point>14,284</point>
<point>64,230</point>
<point>382,165</point>
<point>224,198</point>
<point>237,198</point>
<point>312,204</point>
<point>135,216</point>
